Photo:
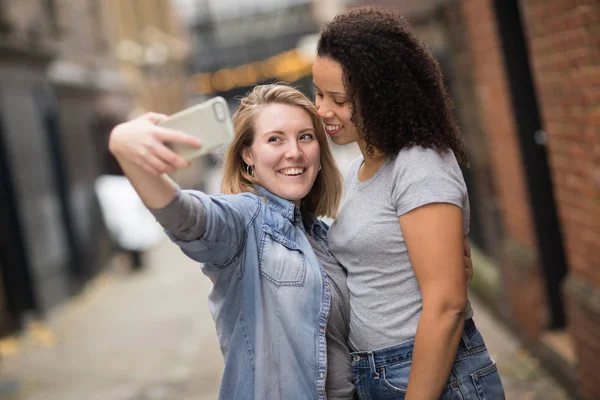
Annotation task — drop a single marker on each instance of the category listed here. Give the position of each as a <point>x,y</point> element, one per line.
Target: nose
<point>323,110</point>
<point>293,151</point>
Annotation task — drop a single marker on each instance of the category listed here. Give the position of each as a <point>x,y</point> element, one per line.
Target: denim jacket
<point>270,299</point>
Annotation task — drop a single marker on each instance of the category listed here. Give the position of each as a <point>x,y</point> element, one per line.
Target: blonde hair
<point>324,197</point>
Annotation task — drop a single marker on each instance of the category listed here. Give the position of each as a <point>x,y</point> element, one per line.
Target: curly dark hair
<point>395,81</point>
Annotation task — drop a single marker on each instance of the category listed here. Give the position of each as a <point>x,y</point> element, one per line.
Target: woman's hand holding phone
<point>141,142</point>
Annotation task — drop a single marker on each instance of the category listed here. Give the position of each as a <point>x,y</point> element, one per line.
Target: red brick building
<point>562,46</point>
<point>526,79</point>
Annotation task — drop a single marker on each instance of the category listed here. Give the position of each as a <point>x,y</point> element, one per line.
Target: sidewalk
<point>521,374</point>
<point>149,336</point>
<point>129,336</point>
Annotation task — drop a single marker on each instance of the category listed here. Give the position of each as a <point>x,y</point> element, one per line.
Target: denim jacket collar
<point>290,211</point>
<point>285,207</point>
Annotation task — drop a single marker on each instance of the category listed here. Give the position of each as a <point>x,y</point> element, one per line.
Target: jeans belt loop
<point>371,358</point>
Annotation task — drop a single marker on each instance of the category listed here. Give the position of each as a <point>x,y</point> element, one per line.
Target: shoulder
<point>424,176</point>
<point>424,161</point>
<point>354,166</point>
<point>423,155</point>
<point>244,203</point>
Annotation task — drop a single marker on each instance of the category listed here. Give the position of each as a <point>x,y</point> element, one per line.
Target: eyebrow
<point>332,93</point>
<point>283,133</point>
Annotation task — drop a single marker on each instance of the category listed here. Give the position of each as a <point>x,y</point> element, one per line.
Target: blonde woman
<point>271,297</point>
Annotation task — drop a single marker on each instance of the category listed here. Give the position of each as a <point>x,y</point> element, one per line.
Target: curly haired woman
<point>400,229</point>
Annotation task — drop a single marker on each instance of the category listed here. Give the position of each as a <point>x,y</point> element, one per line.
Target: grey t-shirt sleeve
<point>423,176</point>
<point>184,217</point>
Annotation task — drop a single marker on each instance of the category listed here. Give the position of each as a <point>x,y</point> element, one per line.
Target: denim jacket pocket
<point>281,261</point>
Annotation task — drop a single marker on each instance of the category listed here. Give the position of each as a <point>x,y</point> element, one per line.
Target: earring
<point>319,167</point>
<point>250,170</point>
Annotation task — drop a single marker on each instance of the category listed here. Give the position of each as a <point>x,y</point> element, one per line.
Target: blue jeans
<point>383,374</point>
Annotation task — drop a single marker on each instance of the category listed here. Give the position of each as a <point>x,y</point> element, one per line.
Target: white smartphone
<point>209,121</point>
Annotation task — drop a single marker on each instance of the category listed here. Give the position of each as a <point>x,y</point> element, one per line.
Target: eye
<point>307,136</point>
<point>274,139</point>
<point>319,94</point>
<point>339,103</point>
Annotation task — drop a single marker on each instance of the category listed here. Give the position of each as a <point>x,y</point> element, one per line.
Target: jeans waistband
<point>399,352</point>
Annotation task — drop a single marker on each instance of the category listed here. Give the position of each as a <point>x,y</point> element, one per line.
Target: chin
<point>340,140</point>
<point>293,195</point>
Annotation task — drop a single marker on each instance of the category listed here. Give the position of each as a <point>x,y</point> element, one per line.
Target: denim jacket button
<point>322,330</point>
<point>321,375</point>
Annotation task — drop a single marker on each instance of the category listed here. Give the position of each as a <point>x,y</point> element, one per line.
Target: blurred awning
<point>288,66</point>
<point>409,8</point>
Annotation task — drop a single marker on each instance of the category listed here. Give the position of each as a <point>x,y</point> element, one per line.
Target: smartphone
<point>209,121</point>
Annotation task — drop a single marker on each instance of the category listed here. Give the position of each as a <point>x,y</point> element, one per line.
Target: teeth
<point>332,127</point>
<point>292,171</point>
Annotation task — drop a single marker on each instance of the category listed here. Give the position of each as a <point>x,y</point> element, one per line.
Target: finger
<point>150,170</point>
<point>468,264</point>
<point>158,165</point>
<point>170,157</point>
<point>468,275</point>
<point>155,118</point>
<point>173,136</point>
<point>468,271</point>
<point>467,248</point>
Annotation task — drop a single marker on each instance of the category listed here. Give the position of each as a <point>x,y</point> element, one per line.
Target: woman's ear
<point>247,156</point>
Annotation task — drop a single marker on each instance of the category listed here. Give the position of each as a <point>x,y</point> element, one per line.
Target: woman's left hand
<point>468,263</point>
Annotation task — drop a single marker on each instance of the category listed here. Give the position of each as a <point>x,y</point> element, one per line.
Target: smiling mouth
<point>292,171</point>
<point>332,129</point>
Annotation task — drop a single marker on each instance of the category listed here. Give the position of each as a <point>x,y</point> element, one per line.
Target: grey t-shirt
<point>340,384</point>
<point>385,301</point>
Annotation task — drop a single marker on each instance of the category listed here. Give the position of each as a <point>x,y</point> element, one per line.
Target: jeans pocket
<point>395,380</point>
<point>395,377</point>
<point>488,384</point>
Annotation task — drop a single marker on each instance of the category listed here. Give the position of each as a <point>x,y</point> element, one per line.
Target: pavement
<point>144,335</point>
<point>523,376</point>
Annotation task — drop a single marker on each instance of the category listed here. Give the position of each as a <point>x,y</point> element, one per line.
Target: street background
<point>92,310</point>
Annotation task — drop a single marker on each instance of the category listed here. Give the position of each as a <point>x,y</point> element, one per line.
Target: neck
<point>374,159</point>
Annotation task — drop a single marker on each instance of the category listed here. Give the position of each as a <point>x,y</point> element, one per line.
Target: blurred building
<point>152,46</point>
<point>70,71</point>
<point>526,79</point>
<point>238,44</point>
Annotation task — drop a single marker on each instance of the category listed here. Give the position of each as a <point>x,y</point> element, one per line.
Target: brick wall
<point>523,283</point>
<point>564,43</point>
<point>486,228</point>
